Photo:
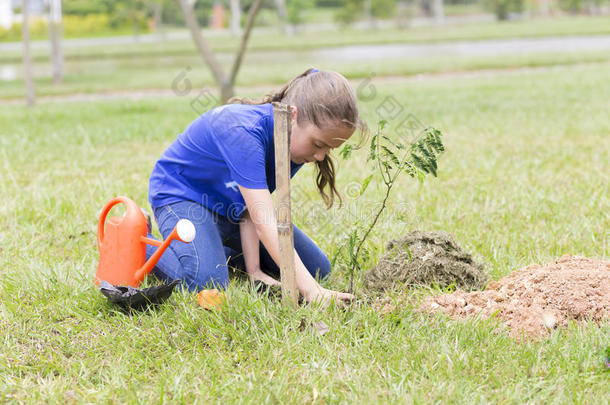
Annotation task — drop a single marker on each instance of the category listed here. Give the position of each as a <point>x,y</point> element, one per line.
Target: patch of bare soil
<point>538,298</point>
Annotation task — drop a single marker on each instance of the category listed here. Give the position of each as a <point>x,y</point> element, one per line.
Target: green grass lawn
<point>123,75</point>
<point>524,179</point>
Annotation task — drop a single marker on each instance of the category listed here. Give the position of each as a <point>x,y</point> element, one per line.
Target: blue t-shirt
<point>225,147</point>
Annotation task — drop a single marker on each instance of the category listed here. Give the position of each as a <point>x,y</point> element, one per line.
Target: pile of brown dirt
<point>428,259</point>
<point>537,299</point>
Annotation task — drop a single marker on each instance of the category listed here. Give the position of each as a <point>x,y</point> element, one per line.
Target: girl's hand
<point>325,297</point>
<point>259,275</point>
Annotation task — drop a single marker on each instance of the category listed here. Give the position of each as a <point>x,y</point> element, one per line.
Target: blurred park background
<point>111,46</point>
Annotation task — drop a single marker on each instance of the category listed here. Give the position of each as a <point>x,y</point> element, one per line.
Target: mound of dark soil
<point>428,259</point>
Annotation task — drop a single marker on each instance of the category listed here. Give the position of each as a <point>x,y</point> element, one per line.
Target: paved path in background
<point>491,47</point>
<point>396,52</point>
<point>136,95</point>
<point>488,47</point>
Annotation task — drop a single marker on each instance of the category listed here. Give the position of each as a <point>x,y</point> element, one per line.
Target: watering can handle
<point>105,211</point>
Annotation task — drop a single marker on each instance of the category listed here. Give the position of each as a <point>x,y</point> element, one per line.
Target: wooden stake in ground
<point>281,141</point>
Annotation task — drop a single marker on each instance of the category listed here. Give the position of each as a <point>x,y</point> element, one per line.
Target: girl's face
<point>309,143</point>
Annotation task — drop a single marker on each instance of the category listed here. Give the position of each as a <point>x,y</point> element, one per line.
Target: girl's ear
<point>293,113</point>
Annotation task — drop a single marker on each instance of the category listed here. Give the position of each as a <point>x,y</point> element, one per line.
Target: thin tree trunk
<point>439,11</point>
<point>402,14</point>
<point>225,83</point>
<point>254,9</point>
<point>27,61</point>
<point>235,18</point>
<point>55,34</point>
<point>368,14</point>
<point>543,8</point>
<point>136,25</point>
<point>287,28</point>
<point>226,90</point>
<point>158,18</point>
<point>428,7</point>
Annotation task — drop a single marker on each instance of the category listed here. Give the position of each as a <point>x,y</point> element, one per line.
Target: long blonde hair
<point>325,99</point>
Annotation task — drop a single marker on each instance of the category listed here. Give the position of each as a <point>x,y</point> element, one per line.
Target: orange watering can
<point>122,244</point>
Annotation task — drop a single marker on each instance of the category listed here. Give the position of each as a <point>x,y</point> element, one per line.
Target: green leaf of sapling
<point>365,184</point>
<point>373,149</point>
<point>346,151</point>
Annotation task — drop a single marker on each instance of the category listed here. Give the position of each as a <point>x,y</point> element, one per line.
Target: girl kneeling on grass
<point>220,173</point>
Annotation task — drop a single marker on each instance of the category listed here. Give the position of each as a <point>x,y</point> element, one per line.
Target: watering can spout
<point>184,231</point>
<point>122,244</point>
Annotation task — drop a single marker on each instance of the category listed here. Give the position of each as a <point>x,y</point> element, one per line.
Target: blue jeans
<point>203,262</point>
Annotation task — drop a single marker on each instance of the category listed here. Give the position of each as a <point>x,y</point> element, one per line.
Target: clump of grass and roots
<point>426,259</point>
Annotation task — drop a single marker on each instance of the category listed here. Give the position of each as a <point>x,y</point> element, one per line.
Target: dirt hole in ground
<point>534,300</point>
<point>426,259</point>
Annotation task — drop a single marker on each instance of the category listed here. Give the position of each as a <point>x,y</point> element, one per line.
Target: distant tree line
<point>100,17</point>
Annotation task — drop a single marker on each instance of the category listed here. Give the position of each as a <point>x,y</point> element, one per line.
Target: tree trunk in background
<point>543,8</point>
<point>226,90</point>
<point>27,61</point>
<point>225,83</point>
<point>235,18</point>
<point>287,28</point>
<point>55,34</point>
<point>402,14</point>
<point>427,7</point>
<point>592,7</point>
<point>254,9</point>
<point>158,18</point>
<point>368,14</point>
<point>439,11</point>
<point>136,26</point>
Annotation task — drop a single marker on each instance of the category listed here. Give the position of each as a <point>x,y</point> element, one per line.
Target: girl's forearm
<point>306,284</point>
<point>267,233</point>
<point>249,243</point>
<point>262,212</point>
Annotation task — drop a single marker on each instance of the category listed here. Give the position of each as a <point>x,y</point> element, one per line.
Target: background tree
<point>438,11</point>
<point>156,7</point>
<point>282,12</point>
<point>294,10</point>
<point>383,9</point>
<point>403,14</point>
<point>133,12</point>
<point>370,10</point>
<point>235,24</point>
<point>349,12</point>
<point>367,8</point>
<point>225,82</point>
<point>503,8</point>
<point>55,34</point>
<point>27,60</point>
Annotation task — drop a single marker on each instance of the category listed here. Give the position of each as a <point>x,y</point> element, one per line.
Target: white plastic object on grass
<point>186,230</point>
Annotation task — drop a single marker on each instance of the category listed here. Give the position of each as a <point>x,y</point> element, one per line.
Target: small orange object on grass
<point>211,299</point>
